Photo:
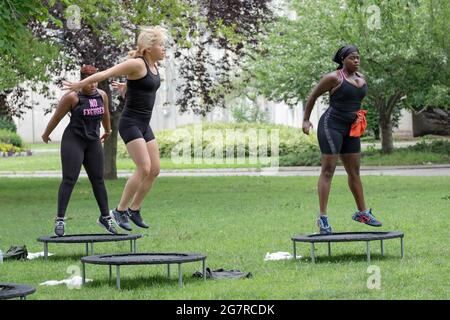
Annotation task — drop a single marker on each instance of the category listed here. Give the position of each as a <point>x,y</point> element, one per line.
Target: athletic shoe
<point>367,217</point>
<point>135,216</point>
<point>324,226</point>
<point>121,219</point>
<point>59,227</point>
<point>107,223</point>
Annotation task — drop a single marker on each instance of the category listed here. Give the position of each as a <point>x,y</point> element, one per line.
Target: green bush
<point>435,146</point>
<point>308,158</point>
<point>291,140</point>
<point>10,137</point>
<point>7,124</point>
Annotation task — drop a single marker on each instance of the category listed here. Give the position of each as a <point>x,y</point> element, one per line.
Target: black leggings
<point>76,151</point>
<point>333,133</point>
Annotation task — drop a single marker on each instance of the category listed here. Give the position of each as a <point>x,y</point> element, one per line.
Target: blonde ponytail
<point>147,38</point>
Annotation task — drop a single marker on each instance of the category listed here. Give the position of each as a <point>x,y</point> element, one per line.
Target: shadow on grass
<point>61,258</point>
<point>350,258</point>
<point>141,282</point>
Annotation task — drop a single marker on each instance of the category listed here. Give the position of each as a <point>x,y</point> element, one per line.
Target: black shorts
<point>131,129</point>
<point>333,134</point>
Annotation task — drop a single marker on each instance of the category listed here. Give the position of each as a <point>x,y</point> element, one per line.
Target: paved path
<point>426,171</point>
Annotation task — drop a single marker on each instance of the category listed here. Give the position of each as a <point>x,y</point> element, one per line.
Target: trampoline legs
<point>402,248</point>
<point>329,249</point>
<point>180,276</point>
<point>168,271</point>
<point>83,273</point>
<point>133,246</point>
<point>23,298</point>
<point>313,255</point>
<point>87,248</point>
<point>382,248</point>
<point>368,252</point>
<point>118,277</point>
<point>45,250</point>
<point>295,250</point>
<point>110,273</point>
<point>204,270</point>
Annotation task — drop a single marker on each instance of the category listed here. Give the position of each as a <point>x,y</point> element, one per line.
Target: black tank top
<point>347,97</point>
<point>86,116</point>
<point>346,100</point>
<point>141,94</point>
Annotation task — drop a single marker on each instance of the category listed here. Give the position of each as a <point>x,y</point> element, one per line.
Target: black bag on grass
<point>16,253</point>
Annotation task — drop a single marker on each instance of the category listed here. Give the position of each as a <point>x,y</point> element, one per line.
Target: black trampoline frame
<point>313,238</point>
<point>192,257</point>
<point>17,291</point>
<point>89,243</point>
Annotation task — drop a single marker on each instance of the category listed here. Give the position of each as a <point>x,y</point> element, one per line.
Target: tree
<point>221,33</point>
<point>23,57</point>
<point>399,52</point>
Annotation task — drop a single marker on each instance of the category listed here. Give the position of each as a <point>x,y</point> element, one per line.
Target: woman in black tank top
<point>81,145</point>
<point>140,90</point>
<point>347,88</point>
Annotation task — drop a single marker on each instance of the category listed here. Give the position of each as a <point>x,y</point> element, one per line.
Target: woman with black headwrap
<point>347,88</point>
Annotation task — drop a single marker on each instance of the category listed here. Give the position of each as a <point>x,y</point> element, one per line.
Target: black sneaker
<point>135,216</point>
<point>120,218</point>
<point>107,223</point>
<point>59,227</point>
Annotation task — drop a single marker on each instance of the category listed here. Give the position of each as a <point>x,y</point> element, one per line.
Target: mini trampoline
<point>89,240</point>
<point>142,259</point>
<point>348,237</point>
<point>13,290</point>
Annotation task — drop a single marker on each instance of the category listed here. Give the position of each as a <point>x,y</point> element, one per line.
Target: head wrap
<point>343,53</point>
<point>87,70</point>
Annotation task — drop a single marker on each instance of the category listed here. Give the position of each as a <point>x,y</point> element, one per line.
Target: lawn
<point>52,162</point>
<point>235,221</point>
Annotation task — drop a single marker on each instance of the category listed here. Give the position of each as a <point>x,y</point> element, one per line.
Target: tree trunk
<point>385,110</point>
<point>110,144</point>
<point>387,141</point>
<point>110,149</point>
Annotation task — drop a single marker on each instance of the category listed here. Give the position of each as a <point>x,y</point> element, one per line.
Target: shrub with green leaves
<point>10,137</point>
<point>210,135</point>
<point>7,124</point>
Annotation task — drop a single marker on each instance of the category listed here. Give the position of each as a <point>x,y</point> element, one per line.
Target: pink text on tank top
<point>93,110</point>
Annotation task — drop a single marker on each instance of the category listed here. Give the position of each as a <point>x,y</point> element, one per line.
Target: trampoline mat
<point>347,236</point>
<point>143,258</point>
<point>88,238</point>
<point>12,290</point>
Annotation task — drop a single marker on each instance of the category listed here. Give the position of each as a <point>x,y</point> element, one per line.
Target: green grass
<point>52,162</point>
<point>42,146</point>
<point>404,157</point>
<point>235,221</point>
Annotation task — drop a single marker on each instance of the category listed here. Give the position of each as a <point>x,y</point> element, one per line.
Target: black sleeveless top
<point>86,116</point>
<point>141,95</point>
<point>346,100</point>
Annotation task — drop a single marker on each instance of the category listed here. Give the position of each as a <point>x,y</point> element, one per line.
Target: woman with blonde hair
<point>143,81</point>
